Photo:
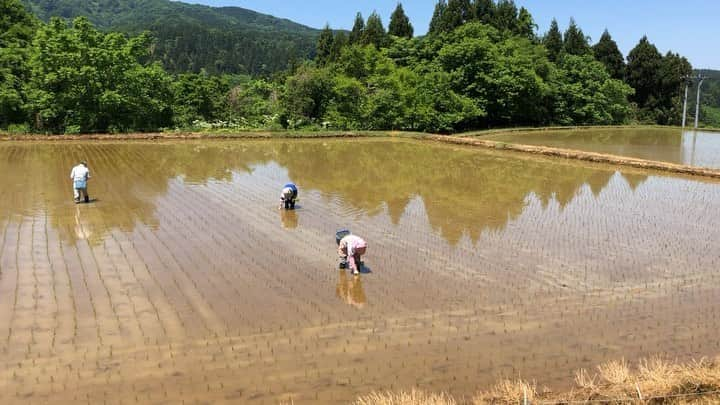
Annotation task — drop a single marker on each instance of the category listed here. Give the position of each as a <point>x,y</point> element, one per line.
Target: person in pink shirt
<point>350,249</point>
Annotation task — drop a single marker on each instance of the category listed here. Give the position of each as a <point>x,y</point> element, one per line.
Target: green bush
<point>73,129</point>
<point>18,129</point>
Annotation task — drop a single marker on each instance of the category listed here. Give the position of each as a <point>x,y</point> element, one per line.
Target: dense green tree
<point>349,96</point>
<point>255,103</point>
<point>643,65</point>
<point>83,80</point>
<point>325,45</point>
<point>505,16</point>
<point>16,31</point>
<point>199,97</point>
<point>525,26</point>
<point>574,41</point>
<point>607,52</point>
<point>340,41</point>
<point>553,41</point>
<point>306,96</point>
<point>584,93</point>
<point>400,25</point>
<point>457,13</point>
<point>358,30</point>
<point>504,76</point>
<point>671,80</point>
<point>484,11</point>
<point>436,107</point>
<point>437,24</point>
<point>374,33</point>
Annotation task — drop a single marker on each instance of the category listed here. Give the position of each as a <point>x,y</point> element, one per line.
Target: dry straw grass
<point>653,381</point>
<point>413,397</point>
<point>508,391</point>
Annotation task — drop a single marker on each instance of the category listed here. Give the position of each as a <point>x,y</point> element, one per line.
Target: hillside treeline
<point>193,37</point>
<point>481,65</point>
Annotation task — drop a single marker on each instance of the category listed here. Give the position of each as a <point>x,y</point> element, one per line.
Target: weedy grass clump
<point>414,397</point>
<point>652,381</point>
<point>508,391</point>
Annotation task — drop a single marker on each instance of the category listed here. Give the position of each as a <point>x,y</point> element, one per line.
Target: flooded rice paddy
<point>692,148</point>
<point>182,281</point>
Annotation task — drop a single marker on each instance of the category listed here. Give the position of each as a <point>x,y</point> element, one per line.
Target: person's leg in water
<point>356,258</point>
<point>358,262</point>
<point>76,194</point>
<point>342,252</point>
<point>86,197</point>
<point>287,203</point>
<point>292,204</point>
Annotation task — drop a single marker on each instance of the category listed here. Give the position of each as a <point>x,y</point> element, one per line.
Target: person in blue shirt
<point>288,196</point>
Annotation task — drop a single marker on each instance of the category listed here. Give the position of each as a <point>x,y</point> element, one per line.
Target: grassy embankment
<point>206,135</point>
<point>182,134</point>
<point>653,381</point>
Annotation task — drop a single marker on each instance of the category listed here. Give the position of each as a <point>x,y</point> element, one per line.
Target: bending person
<point>350,249</point>
<point>288,196</point>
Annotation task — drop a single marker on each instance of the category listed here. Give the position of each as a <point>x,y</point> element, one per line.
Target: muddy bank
<point>581,155</point>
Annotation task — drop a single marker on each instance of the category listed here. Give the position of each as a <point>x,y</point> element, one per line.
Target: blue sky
<point>691,27</point>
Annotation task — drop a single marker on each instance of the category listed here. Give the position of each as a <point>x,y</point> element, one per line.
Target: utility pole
<point>701,78</point>
<point>687,84</point>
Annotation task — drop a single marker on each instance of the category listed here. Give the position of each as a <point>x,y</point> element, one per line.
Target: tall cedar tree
<point>553,42</point>
<point>400,23</point>
<point>374,33</point>
<point>505,15</point>
<point>437,23</point>
<point>325,45</point>
<point>452,16</point>
<point>606,51</point>
<point>484,11</point>
<point>671,79</point>
<point>575,42</point>
<point>525,24</point>
<point>340,41</point>
<point>644,63</point>
<point>358,30</point>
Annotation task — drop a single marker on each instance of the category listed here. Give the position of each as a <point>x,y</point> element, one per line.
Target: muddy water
<point>694,148</point>
<point>183,281</point>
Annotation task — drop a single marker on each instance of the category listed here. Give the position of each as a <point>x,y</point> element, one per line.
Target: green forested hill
<point>194,37</point>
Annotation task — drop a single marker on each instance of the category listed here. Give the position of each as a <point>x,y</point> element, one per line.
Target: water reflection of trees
<point>465,191</point>
<point>126,179</point>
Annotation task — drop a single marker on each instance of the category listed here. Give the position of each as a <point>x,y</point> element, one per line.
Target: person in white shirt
<point>80,175</point>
